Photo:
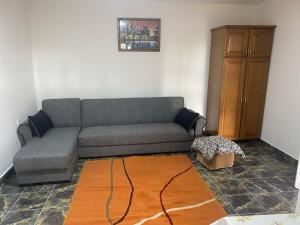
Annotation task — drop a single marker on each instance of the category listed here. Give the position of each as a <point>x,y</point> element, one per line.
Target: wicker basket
<point>218,161</point>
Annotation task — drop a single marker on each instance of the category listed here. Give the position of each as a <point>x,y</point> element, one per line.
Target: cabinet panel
<point>236,43</point>
<point>254,98</point>
<point>260,42</point>
<point>231,95</point>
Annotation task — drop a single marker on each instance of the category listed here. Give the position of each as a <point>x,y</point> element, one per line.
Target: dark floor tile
<point>250,144</point>
<point>11,186</point>
<point>80,161</point>
<point>281,157</point>
<point>266,171</point>
<point>221,174</point>
<point>254,151</point>
<point>226,205</point>
<point>198,165</point>
<point>269,160</point>
<point>290,180</point>
<point>248,161</point>
<point>214,187</point>
<point>241,172</point>
<point>40,188</point>
<point>274,203</point>
<point>7,201</point>
<point>261,159</point>
<point>205,176</point>
<point>291,197</point>
<point>238,162</point>
<point>286,171</point>
<point>2,215</point>
<point>202,170</point>
<point>31,201</point>
<point>77,170</point>
<point>75,179</point>
<point>256,186</point>
<point>65,186</point>
<point>232,187</point>
<point>24,217</point>
<point>52,216</point>
<point>61,196</point>
<point>245,204</point>
<point>193,158</point>
<point>280,184</point>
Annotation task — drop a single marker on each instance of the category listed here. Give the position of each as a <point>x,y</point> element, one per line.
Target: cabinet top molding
<point>245,26</point>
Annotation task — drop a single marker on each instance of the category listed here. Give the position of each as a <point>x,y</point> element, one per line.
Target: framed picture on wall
<point>139,34</point>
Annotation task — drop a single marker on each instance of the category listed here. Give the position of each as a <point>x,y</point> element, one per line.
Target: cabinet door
<point>231,96</point>
<point>236,42</point>
<point>260,42</point>
<point>254,98</point>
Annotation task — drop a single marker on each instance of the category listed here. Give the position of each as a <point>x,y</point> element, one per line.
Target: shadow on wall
<point>187,74</point>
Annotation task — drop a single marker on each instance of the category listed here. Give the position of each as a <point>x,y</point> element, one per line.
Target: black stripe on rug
<point>111,192</point>
<point>164,188</point>
<point>131,194</point>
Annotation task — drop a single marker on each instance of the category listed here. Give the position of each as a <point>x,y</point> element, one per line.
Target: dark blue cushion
<point>40,123</point>
<point>186,118</point>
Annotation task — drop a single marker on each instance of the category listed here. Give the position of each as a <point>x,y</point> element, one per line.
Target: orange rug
<point>142,190</point>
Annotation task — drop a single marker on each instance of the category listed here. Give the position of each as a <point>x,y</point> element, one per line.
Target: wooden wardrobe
<point>239,67</point>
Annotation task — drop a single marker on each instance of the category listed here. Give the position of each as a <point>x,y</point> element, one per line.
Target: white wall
<point>75,48</point>
<point>17,92</point>
<point>282,111</point>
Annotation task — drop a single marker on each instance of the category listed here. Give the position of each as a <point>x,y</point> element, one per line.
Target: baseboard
<point>3,174</point>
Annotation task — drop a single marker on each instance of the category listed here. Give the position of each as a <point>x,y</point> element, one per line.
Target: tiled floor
<point>262,183</point>
<point>259,184</point>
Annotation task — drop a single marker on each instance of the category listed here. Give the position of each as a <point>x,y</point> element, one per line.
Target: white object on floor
<point>275,219</point>
<point>297,184</point>
<point>298,205</point>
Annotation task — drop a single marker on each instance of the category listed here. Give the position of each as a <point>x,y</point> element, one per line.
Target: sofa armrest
<point>24,133</point>
<point>198,127</point>
<point>197,130</point>
<point>200,124</point>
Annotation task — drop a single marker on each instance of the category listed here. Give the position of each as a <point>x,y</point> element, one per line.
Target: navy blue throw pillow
<point>186,118</point>
<point>40,123</point>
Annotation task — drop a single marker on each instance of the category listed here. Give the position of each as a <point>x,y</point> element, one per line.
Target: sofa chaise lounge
<point>98,128</point>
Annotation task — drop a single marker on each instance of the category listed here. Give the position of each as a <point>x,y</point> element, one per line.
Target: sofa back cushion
<point>98,112</point>
<point>64,112</point>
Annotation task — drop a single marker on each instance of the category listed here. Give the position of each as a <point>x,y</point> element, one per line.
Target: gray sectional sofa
<point>98,128</point>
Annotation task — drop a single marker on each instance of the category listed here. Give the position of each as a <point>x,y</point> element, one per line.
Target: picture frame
<point>139,34</point>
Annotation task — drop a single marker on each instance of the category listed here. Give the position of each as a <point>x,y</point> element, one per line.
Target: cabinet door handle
<point>245,100</point>
<point>241,100</point>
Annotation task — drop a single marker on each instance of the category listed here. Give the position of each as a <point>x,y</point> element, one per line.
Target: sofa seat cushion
<point>54,150</point>
<point>132,134</point>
